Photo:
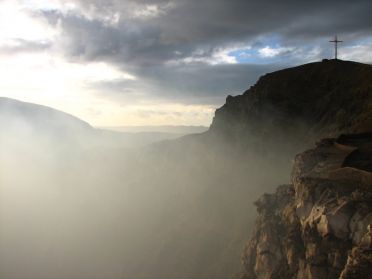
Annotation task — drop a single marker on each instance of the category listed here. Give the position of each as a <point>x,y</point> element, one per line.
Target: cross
<point>336,41</point>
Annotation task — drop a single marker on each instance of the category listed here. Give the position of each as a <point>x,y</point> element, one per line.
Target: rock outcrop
<point>320,226</point>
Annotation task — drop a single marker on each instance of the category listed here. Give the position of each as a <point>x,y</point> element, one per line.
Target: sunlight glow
<point>16,23</point>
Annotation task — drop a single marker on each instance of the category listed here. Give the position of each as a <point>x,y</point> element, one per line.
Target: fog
<point>76,207</point>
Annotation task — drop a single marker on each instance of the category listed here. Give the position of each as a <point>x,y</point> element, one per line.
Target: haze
<point>140,190</point>
<point>85,205</point>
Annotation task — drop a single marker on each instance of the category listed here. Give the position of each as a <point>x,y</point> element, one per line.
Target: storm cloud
<point>159,31</point>
<point>181,47</point>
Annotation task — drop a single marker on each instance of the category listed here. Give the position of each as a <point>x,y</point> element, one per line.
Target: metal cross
<point>335,41</point>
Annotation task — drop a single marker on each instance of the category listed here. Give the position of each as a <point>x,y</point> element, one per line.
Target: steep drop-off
<point>252,141</point>
<point>320,226</point>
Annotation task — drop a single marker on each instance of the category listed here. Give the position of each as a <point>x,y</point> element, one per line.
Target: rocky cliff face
<point>320,226</point>
<point>251,145</point>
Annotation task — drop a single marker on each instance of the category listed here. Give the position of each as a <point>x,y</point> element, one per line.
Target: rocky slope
<point>320,226</point>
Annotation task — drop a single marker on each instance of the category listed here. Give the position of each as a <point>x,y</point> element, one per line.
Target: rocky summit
<point>320,225</point>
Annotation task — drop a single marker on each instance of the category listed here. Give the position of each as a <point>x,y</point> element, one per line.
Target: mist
<point>75,205</point>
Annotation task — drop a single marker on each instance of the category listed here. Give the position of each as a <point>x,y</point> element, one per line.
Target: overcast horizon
<point>159,62</point>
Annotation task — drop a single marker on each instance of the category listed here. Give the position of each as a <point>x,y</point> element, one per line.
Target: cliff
<point>320,225</point>
<point>249,149</point>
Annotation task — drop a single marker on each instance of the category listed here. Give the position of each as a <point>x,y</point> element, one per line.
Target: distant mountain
<point>40,118</point>
<point>28,119</point>
<point>166,129</point>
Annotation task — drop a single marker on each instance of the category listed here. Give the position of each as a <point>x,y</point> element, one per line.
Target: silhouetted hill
<point>28,119</point>
<point>40,118</point>
<point>303,103</point>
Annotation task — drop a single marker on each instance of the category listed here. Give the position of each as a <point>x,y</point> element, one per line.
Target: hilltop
<point>300,104</point>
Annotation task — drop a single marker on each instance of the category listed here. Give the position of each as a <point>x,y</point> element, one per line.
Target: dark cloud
<point>193,84</point>
<point>206,21</point>
<point>149,35</point>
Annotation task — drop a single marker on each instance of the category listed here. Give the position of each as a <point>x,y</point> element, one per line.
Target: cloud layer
<point>192,52</point>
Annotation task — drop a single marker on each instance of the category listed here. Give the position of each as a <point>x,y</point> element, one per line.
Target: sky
<point>164,62</point>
